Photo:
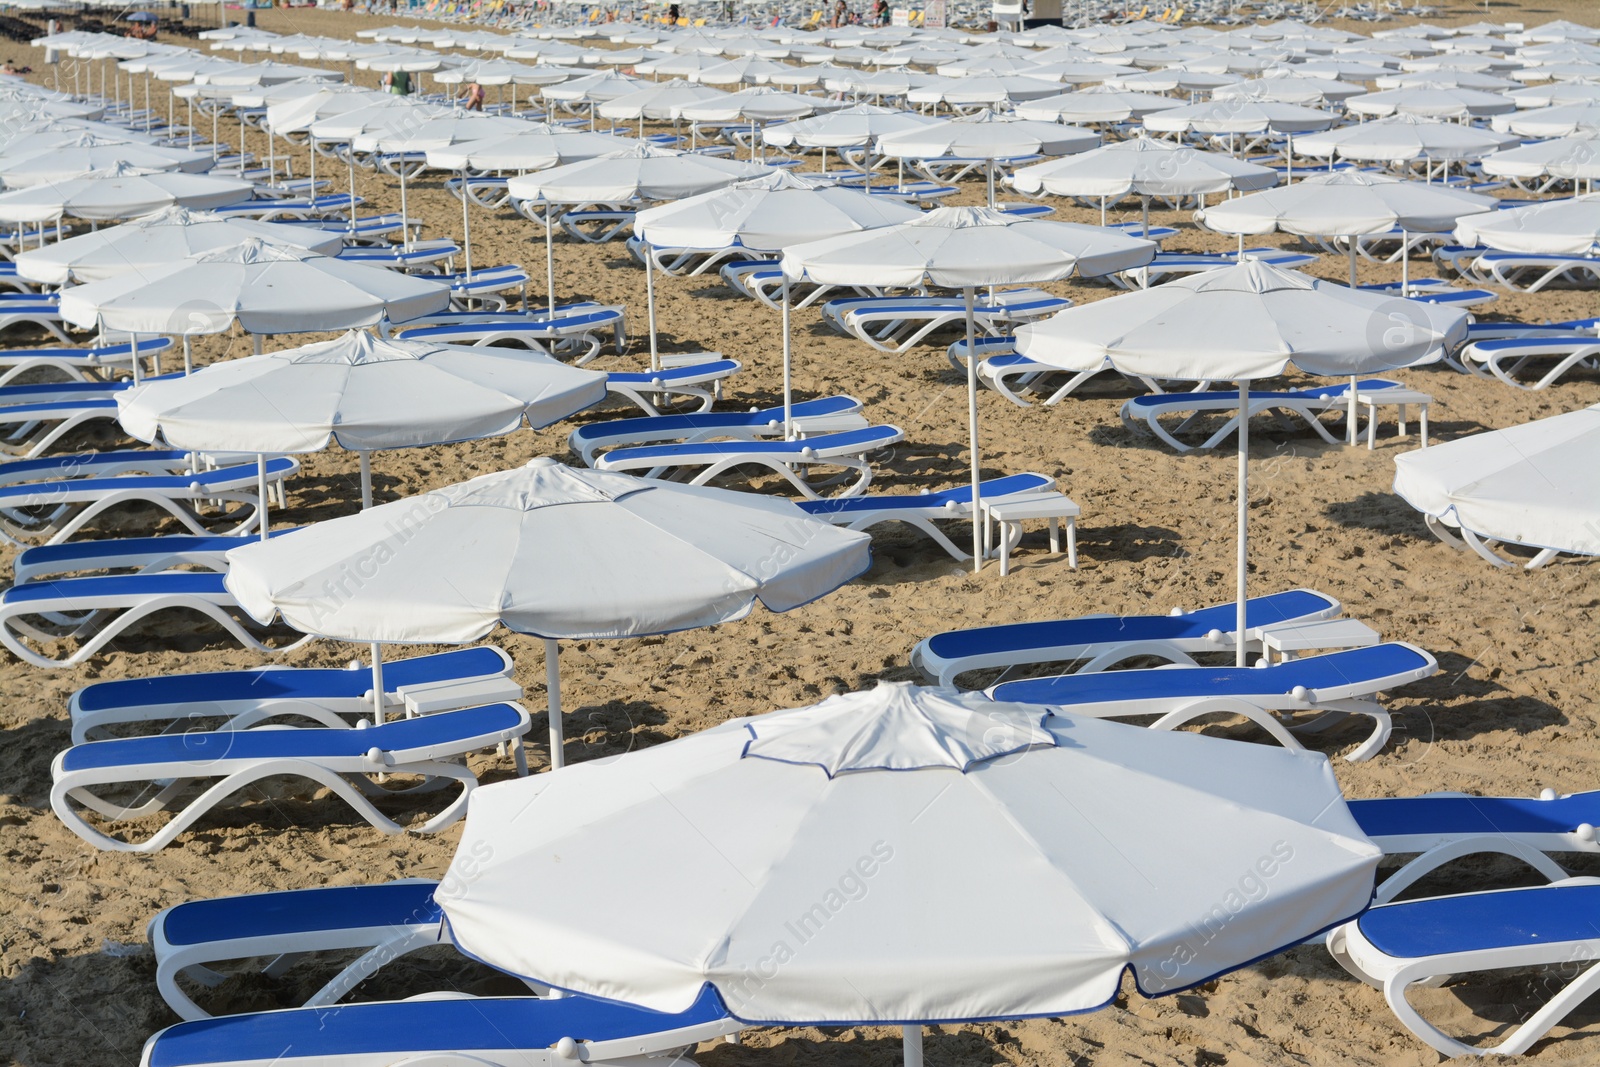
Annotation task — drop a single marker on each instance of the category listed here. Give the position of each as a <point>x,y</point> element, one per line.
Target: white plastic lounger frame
<point>346,776</point>
<point>1505,358</point>
<point>788,459</point>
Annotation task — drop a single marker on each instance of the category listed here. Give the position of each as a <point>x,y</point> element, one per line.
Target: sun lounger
<point>29,430</point>
<point>683,262</point>
<point>1002,368</point>
<point>1505,358</point>
<point>143,555</point>
<point>488,191</point>
<point>1105,640</point>
<point>1334,686</point>
<point>763,280</point>
<point>56,510</point>
<point>486,287</point>
<point>399,257</point>
<point>1462,298</point>
<point>895,324</point>
<point>281,209</point>
<point>1308,404</point>
<point>597,225</point>
<point>654,390</point>
<point>77,363</point>
<point>94,611</point>
<point>364,230</point>
<point>1526,273</point>
<point>100,465</point>
<point>338,759</point>
<point>329,697</point>
<point>487,1031</point>
<point>922,510</point>
<point>580,332</point>
<point>824,415</point>
<point>34,313</point>
<point>1425,942</point>
<point>56,392</point>
<point>785,458</point>
<point>1168,265</point>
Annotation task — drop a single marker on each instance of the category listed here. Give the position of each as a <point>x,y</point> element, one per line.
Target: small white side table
<point>1009,515</point>
<point>1398,398</point>
<point>1320,636</point>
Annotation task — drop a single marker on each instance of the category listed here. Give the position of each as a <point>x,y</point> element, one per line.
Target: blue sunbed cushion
<point>346,907</point>
<point>1472,922</point>
<point>49,409</point>
<point>52,467</point>
<point>994,487</point>
<point>1314,392</point>
<point>1335,669</point>
<point>205,749</point>
<point>150,344</point>
<point>417,1026</point>
<point>153,482</point>
<point>62,591</point>
<point>1464,816</point>
<point>866,438</point>
<point>1258,611</point>
<point>668,375</point>
<point>715,420</point>
<point>288,683</point>
<point>1503,344</point>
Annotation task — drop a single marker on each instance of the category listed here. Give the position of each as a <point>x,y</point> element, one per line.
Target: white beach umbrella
<point>987,136</point>
<point>976,89</point>
<point>767,215</point>
<point>1574,157</point>
<point>1286,86</point>
<point>1444,78</point>
<point>1244,323</point>
<point>1237,116</point>
<point>642,173</point>
<point>1099,104</point>
<point>853,127</point>
<point>1145,167</point>
<point>593,88</point>
<point>265,288</point>
<point>656,101</point>
<point>1347,204</point>
<point>551,551</point>
<point>1402,139</point>
<point>366,393</point>
<point>121,192</point>
<point>1431,101</point>
<point>1556,94</point>
<point>963,248</point>
<point>152,242</point>
<point>1558,227</point>
<point>837,864</point>
<point>1559,121</point>
<point>1535,484</point>
<point>90,153</point>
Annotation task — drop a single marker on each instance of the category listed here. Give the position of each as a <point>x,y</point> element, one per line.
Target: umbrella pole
<point>788,384</point>
<point>972,436</point>
<point>261,493</point>
<point>650,302</point>
<point>366,479</point>
<point>1144,215</point>
<point>466,223</point>
<point>1350,413</point>
<point>377,683</point>
<point>989,181</point>
<point>1244,522</point>
<point>1405,262</point>
<point>550,261</point>
<point>405,229</point>
<point>911,1045</point>
<point>1102,211</point>
<point>188,357</point>
<point>552,685</point>
<point>1352,241</point>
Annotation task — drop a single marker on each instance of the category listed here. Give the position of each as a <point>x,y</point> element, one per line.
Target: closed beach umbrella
<point>551,551</point>
<point>1244,323</point>
<point>836,864</point>
<point>963,248</point>
<point>1535,484</point>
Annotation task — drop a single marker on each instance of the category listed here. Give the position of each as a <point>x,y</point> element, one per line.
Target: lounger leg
<point>1227,706</point>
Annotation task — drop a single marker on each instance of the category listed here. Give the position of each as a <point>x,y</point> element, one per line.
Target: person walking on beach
<point>472,97</point>
<point>841,16</point>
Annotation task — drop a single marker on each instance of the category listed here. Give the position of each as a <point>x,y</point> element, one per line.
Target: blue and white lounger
<point>488,1031</point>
<point>895,324</point>
<point>342,760</point>
<point>579,334</point>
<point>922,510</point>
<point>29,430</point>
<point>1507,357</point>
<point>1145,412</point>
<point>141,555</point>
<point>1525,273</point>
<point>76,364</point>
<point>94,611</point>
<point>823,415</point>
<point>53,511</point>
<point>329,696</point>
<point>653,390</point>
<point>787,459</point>
<point>1103,641</point>
<point>1334,686</point>
<point>1425,942</point>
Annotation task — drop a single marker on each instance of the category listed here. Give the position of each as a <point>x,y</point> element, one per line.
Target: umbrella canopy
<point>657,101</point>
<point>1145,167</point>
<point>120,193</point>
<point>593,88</point>
<point>986,136</point>
<point>1238,116</point>
<point>811,879</point>
<point>362,391</point>
<point>1562,227</point>
<point>1402,138</point>
<point>1577,156</point>
<point>1553,121</point>
<point>764,104</point>
<point>768,214</point>
<point>1243,323</point>
<point>847,128</point>
<point>266,288</point>
<point>1432,102</point>
<point>435,131</point>
<point>641,173</point>
<point>1535,484</point>
<point>157,241</point>
<point>91,153</point>
<point>1344,203</point>
<point>533,147</point>
<point>1101,104</point>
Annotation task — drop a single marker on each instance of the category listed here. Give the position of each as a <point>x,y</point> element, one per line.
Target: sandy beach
<point>1512,710</point>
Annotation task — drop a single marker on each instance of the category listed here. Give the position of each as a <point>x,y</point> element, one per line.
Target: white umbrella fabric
<point>92,153</point>
<point>963,248</point>
<point>158,240</point>
<point>1557,227</point>
<point>552,551</point>
<point>1244,323</point>
<point>119,193</point>
<point>1535,484</point>
<point>1575,157</point>
<point>987,136</point>
<point>805,859</point>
